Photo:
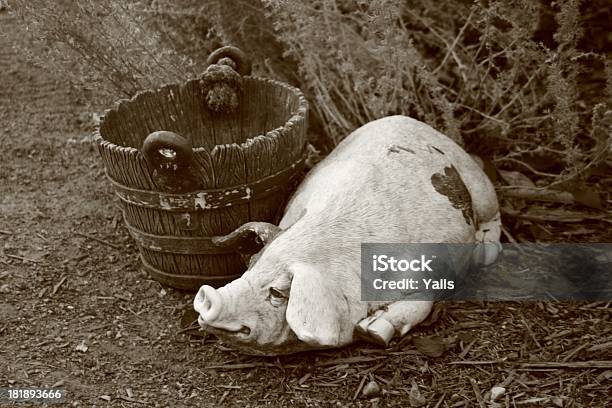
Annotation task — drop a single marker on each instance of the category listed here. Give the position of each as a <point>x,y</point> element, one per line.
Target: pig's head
<point>281,304</point>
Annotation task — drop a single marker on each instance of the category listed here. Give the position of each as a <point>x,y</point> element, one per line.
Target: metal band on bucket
<point>209,199</point>
<point>175,244</point>
<point>186,281</point>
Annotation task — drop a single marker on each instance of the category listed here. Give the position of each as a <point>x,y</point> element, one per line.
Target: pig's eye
<point>277,297</point>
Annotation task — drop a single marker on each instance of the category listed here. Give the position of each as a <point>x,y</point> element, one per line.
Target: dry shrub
<point>506,79</point>
<point>184,27</point>
<point>511,80</point>
<point>243,23</point>
<point>105,45</point>
<point>472,70</point>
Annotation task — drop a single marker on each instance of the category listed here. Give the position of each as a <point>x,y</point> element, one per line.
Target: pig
<point>393,180</point>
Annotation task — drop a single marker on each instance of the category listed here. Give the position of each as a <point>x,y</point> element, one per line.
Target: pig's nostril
<point>201,304</point>
<point>245,330</point>
<point>207,303</point>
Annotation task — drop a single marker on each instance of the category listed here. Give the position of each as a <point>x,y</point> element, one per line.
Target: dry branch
<point>58,284</point>
<point>568,364</point>
<point>349,360</point>
<point>240,366</point>
<point>101,241</point>
<point>538,194</point>
<point>557,216</point>
<point>478,362</point>
<point>24,259</point>
<point>477,393</point>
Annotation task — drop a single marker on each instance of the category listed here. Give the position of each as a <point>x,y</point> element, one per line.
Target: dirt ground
<point>77,314</point>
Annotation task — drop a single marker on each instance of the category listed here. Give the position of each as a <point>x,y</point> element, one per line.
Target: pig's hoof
<point>376,330</point>
<point>486,253</point>
<point>487,237</point>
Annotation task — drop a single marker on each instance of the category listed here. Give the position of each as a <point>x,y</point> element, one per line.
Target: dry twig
<point>101,241</point>
<point>58,284</point>
<point>479,398</point>
<point>568,364</point>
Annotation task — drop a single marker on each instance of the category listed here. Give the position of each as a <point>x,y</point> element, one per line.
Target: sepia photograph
<point>318,203</point>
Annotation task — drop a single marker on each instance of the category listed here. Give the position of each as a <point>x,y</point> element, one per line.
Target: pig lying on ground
<point>393,180</point>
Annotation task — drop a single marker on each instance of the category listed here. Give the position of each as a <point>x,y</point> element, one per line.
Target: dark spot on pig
<point>450,185</point>
<point>435,148</point>
<point>398,149</point>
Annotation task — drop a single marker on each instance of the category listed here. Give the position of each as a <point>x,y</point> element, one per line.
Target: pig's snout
<point>208,304</point>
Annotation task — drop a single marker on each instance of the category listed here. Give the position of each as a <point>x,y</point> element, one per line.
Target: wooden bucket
<point>186,171</point>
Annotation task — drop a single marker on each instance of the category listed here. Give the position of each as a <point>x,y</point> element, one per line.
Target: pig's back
<point>392,181</point>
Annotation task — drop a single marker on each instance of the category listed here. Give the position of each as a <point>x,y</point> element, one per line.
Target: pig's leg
<point>487,237</point>
<point>486,209</point>
<point>395,318</point>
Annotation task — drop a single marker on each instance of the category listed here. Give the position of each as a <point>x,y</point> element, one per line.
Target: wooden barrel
<point>186,173</point>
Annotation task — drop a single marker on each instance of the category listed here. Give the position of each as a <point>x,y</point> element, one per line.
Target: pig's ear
<point>248,239</point>
<point>316,310</point>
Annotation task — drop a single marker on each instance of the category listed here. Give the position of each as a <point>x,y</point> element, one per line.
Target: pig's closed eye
<point>277,298</point>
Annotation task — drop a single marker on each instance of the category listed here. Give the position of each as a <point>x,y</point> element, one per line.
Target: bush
<point>473,71</point>
<point>512,80</point>
<point>185,28</point>
<point>104,45</point>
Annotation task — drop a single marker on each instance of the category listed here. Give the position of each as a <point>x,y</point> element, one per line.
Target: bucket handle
<point>235,54</point>
<point>170,156</point>
<point>222,80</point>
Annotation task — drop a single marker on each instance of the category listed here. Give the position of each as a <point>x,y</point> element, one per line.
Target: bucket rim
<point>300,114</point>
